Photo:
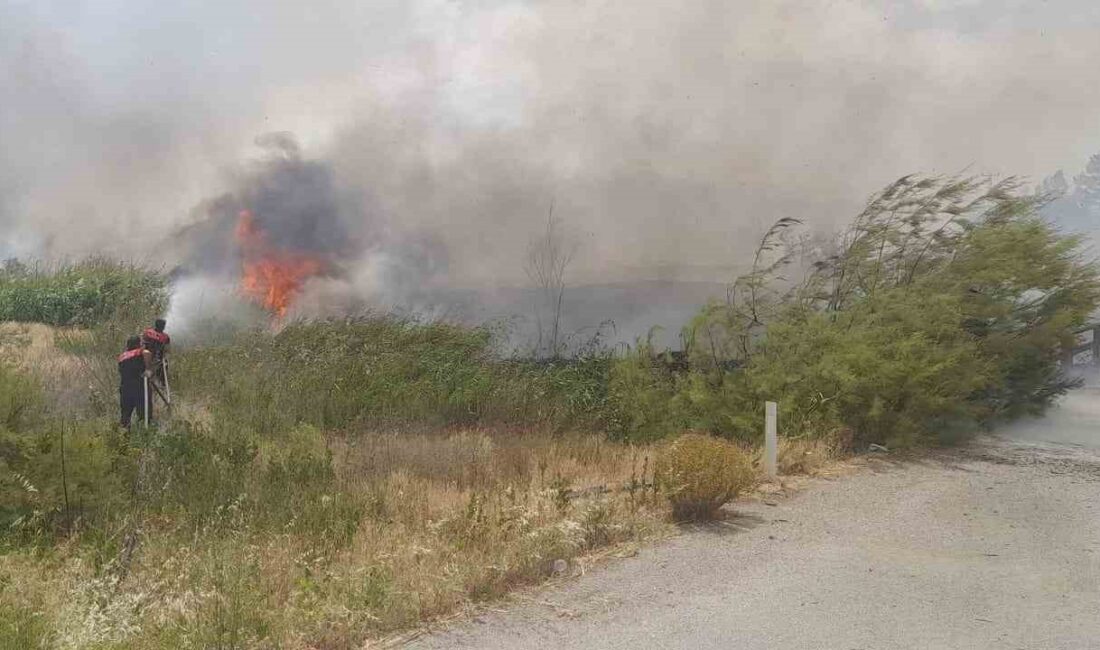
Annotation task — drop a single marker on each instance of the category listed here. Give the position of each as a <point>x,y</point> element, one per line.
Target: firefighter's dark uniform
<point>156,342</point>
<point>131,389</point>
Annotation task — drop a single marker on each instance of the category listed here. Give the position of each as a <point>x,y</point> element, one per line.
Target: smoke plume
<point>431,137</point>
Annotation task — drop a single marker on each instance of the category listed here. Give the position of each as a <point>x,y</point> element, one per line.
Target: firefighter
<point>135,368</point>
<point>156,341</point>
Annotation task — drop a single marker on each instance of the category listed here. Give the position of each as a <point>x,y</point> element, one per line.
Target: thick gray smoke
<point>292,201</point>
<point>667,134</point>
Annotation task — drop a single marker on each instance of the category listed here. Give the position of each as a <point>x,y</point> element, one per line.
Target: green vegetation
<point>84,294</point>
<point>338,480</point>
<point>943,309</point>
<point>346,374</point>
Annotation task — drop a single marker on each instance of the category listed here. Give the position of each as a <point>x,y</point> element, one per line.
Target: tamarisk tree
<point>944,306</point>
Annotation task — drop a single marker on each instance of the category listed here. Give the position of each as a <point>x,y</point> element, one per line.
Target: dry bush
<point>701,474</point>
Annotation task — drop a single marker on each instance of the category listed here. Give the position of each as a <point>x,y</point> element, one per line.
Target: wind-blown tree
<point>946,306</point>
<point>729,330</point>
<point>1022,288</point>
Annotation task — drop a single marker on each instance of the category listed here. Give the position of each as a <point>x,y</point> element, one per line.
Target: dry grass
<point>488,459</point>
<point>32,348</point>
<point>804,455</point>
<point>447,519</point>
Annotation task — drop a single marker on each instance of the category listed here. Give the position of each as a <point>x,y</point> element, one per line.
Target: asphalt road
<point>996,546</point>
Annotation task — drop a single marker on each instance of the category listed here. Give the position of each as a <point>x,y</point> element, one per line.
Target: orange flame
<point>270,277</point>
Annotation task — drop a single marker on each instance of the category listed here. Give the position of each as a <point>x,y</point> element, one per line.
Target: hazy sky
<point>666,132</point>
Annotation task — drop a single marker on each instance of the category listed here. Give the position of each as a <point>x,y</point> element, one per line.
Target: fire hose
<point>160,393</point>
<point>167,387</point>
<point>145,395</point>
<point>165,394</point>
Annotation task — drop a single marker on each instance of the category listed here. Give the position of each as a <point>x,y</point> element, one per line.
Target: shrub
<point>21,399</point>
<point>897,371</point>
<point>197,469</point>
<point>85,294</point>
<point>944,308</point>
<point>642,398</point>
<point>700,474</point>
<point>59,476</point>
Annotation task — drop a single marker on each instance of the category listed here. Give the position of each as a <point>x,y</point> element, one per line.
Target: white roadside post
<point>771,440</point>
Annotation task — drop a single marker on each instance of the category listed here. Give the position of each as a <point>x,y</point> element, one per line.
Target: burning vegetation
<point>270,276</point>
<point>284,223</point>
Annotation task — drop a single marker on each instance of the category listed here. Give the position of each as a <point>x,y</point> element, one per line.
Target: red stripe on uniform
<point>153,335</point>
<point>130,354</point>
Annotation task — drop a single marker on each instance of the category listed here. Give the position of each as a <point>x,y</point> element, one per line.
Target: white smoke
<point>202,306</point>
